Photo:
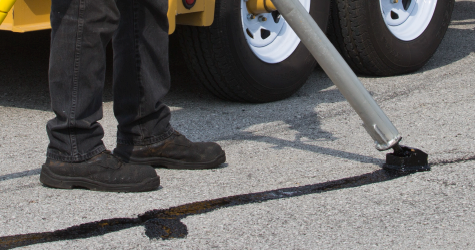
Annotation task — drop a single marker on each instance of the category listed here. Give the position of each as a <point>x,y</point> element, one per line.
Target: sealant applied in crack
<point>166,223</point>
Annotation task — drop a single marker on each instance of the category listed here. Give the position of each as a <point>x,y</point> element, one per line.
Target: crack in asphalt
<point>456,160</point>
<point>20,174</point>
<point>166,223</point>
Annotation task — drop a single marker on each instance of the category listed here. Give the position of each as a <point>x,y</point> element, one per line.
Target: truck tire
<point>250,60</point>
<point>377,37</point>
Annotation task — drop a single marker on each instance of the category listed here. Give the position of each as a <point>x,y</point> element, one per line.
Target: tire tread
<point>350,32</point>
<point>210,57</point>
<point>207,66</point>
<point>350,37</point>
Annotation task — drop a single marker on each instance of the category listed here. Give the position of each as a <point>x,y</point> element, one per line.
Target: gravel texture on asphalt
<point>301,173</point>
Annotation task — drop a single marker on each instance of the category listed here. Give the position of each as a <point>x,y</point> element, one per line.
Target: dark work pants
<point>81,30</point>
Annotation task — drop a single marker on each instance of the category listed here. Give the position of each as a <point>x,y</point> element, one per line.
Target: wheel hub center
<point>396,12</point>
<point>261,29</point>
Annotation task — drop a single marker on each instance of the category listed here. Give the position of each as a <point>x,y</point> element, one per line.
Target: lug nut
<point>262,18</point>
<point>251,17</point>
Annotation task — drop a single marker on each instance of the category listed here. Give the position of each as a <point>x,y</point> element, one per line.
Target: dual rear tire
<point>385,39</point>
<point>259,60</point>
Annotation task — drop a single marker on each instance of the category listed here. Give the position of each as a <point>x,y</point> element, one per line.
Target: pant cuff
<point>59,156</point>
<point>149,140</point>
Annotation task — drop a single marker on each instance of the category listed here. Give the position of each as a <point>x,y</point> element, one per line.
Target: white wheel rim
<point>272,40</point>
<point>407,22</point>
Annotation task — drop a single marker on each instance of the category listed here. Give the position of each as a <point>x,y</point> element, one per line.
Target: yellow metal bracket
<point>30,15</point>
<point>5,7</point>
<point>201,14</point>
<point>27,15</point>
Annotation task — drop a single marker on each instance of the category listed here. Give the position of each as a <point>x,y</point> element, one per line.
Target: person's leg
<point>141,72</point>
<point>81,30</point>
<point>76,156</point>
<point>141,80</point>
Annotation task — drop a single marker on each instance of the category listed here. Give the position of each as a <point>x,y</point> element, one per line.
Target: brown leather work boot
<point>175,152</point>
<point>103,172</point>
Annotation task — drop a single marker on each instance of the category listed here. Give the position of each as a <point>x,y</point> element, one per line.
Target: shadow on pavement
<point>298,144</point>
<point>458,42</point>
<point>23,83</point>
<point>166,223</point>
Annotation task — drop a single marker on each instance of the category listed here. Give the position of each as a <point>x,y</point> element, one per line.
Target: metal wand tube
<point>376,123</point>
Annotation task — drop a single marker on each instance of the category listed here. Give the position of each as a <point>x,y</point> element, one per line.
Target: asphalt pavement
<point>301,173</point>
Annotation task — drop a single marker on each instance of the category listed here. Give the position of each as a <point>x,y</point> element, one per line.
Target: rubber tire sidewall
<point>266,82</point>
<point>407,56</point>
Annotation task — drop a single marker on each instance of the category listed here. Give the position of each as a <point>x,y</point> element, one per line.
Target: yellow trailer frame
<point>31,15</point>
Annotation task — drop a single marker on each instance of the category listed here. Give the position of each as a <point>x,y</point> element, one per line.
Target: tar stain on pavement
<point>166,223</point>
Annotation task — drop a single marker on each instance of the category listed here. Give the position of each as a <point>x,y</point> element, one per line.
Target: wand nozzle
<point>377,124</point>
<point>406,160</point>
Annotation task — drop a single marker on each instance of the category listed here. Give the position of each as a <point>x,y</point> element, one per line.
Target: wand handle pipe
<point>376,123</point>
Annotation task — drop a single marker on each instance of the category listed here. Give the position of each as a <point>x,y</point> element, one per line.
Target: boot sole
<point>177,164</point>
<point>48,178</point>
